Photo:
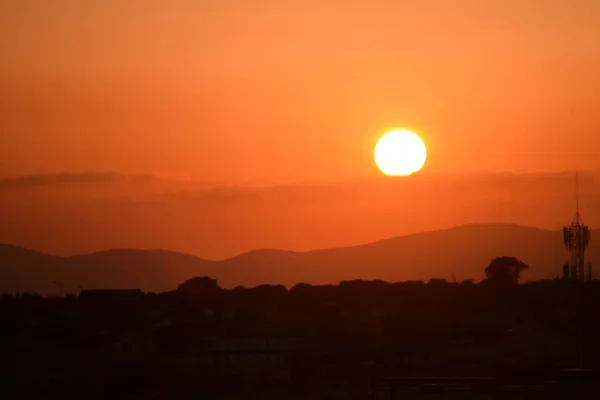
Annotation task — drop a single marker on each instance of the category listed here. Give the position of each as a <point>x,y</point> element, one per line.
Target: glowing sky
<point>284,90</point>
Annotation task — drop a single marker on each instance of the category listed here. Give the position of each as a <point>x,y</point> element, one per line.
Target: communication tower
<point>576,238</point>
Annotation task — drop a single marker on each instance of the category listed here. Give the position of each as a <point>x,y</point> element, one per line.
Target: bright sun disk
<point>400,152</point>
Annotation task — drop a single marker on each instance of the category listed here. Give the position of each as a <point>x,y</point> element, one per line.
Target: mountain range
<point>457,253</point>
<point>81,213</point>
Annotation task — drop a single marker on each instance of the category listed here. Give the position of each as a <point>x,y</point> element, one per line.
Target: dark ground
<point>329,342</point>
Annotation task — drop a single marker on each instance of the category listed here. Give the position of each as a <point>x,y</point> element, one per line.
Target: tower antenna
<point>577,215</point>
<point>576,238</point>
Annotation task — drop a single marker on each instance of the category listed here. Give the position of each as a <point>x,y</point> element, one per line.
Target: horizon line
<point>155,249</point>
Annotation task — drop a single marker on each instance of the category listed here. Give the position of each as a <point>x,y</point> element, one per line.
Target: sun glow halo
<point>400,153</point>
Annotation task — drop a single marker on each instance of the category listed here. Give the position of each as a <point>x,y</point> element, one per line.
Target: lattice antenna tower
<point>578,219</point>
<point>576,238</point>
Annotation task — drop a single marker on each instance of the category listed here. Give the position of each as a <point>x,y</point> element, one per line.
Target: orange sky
<point>238,91</point>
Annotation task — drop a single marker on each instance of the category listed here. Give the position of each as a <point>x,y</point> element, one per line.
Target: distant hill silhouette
<point>149,270</point>
<point>23,270</point>
<point>462,251</point>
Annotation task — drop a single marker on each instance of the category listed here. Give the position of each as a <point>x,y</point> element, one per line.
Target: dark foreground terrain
<point>351,341</point>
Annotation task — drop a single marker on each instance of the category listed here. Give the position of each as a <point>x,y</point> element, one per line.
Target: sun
<point>400,153</point>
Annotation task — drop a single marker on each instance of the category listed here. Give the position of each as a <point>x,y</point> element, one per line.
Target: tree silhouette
<point>199,287</point>
<point>505,270</point>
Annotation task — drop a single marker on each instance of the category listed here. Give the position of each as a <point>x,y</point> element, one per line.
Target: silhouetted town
<point>358,339</point>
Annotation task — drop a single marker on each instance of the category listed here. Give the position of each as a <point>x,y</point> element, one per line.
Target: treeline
<point>378,307</point>
<point>187,337</point>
